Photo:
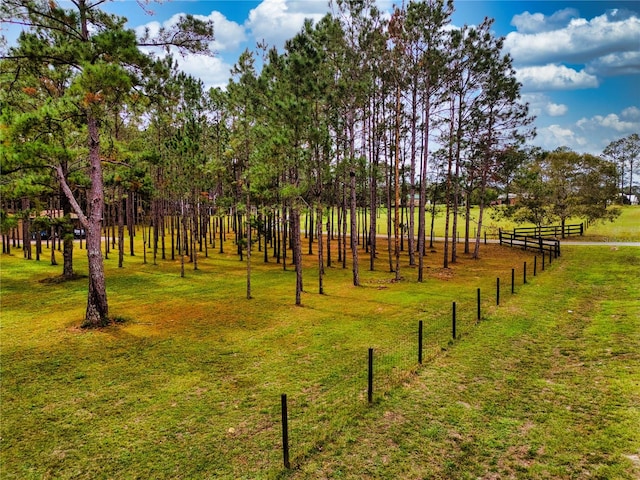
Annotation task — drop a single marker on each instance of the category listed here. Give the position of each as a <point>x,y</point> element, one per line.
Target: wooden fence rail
<point>528,242</point>
<point>551,231</point>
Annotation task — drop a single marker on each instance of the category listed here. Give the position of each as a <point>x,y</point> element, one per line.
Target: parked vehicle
<point>44,235</point>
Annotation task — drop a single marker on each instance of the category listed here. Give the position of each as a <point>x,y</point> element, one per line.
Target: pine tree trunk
<point>52,231</point>
<point>195,237</point>
<point>456,187</point>
<point>297,252</point>
<point>120,207</point>
<point>340,213</point>
<point>454,227</point>
<point>373,217</point>
<point>412,183</point>
<point>182,236</point>
<point>97,314</point>
<point>320,249</point>
<point>344,231</point>
<point>448,188</point>
<point>467,221</point>
<point>130,221</point>
<point>144,243</point>
<point>354,232</point>
<point>38,245</point>
<point>285,229</point>
<point>248,244</point>
<point>221,220</point>
<point>396,227</point>
<point>389,212</point>
<point>329,235</point>
<point>422,231</point>
<point>311,232</point>
<point>476,250</point>
<point>26,224</point>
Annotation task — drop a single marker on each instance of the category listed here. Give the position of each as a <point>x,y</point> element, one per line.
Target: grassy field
<point>625,228</point>
<point>546,387</point>
<point>189,384</point>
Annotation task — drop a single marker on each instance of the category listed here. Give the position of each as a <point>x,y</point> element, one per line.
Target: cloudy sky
<point>578,61</point>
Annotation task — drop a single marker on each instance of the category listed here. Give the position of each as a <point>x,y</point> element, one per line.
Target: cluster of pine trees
<point>356,113</point>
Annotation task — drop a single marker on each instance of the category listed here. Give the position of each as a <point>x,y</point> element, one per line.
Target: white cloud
<point>610,122</point>
<point>632,114</point>
<point>275,21</point>
<point>538,22</point>
<point>579,41</point>
<point>151,29</point>
<point>589,135</point>
<point>554,77</point>
<point>622,63</point>
<point>213,71</point>
<point>228,35</point>
<point>554,136</point>
<point>555,109</point>
<point>541,104</point>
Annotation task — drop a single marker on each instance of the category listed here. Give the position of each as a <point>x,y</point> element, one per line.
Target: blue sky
<point>578,61</point>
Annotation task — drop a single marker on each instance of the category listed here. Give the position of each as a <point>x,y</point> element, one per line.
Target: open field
<point>188,386</point>
<point>626,227</point>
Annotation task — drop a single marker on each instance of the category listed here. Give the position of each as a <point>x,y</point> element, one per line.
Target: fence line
<point>385,366</point>
<point>526,242</point>
<point>551,230</point>
<point>542,239</point>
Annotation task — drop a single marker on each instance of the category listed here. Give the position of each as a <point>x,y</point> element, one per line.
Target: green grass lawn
<point>189,385</point>
<point>626,228</point>
<point>547,386</point>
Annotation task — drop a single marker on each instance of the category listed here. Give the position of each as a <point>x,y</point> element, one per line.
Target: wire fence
<point>314,415</point>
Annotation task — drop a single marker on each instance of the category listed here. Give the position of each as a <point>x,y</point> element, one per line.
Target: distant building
<point>503,199</point>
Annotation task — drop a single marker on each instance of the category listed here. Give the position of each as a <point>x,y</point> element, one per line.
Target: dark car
<point>44,235</point>
<point>78,233</point>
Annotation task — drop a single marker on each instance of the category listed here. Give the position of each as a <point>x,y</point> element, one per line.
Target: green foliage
<point>40,223</point>
<point>624,153</point>
<point>7,222</point>
<point>563,184</point>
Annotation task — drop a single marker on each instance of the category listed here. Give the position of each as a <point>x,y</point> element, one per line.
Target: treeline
<point>358,112</point>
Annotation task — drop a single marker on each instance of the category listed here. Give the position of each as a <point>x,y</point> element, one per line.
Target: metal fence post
<point>285,431</point>
<point>420,342</point>
<point>370,386</point>
<point>453,326</point>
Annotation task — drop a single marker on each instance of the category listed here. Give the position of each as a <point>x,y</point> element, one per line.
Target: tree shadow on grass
<point>62,279</point>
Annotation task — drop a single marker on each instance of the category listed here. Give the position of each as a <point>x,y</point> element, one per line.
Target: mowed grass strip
<point>189,385</point>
